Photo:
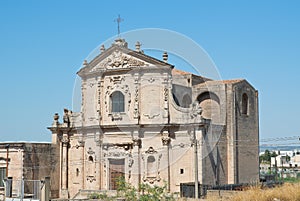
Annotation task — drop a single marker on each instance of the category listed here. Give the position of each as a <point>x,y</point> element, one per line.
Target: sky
<point>43,45</point>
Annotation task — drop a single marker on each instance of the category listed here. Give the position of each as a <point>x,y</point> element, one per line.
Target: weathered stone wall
<point>55,175</point>
<point>28,161</point>
<point>37,161</point>
<point>246,132</point>
<point>215,156</point>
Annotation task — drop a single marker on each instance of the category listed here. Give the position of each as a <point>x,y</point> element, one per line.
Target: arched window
<point>245,104</point>
<point>91,159</point>
<point>117,102</point>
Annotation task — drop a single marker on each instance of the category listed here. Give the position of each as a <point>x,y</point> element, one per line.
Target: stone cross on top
<point>119,20</point>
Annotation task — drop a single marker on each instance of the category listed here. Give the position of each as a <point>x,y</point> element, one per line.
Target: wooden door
<point>116,170</point>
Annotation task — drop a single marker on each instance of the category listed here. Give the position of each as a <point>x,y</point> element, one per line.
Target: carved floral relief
<point>119,60</point>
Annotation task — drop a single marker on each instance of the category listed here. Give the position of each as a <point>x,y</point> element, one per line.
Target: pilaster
<point>166,140</point>
<point>136,163</point>
<point>64,172</point>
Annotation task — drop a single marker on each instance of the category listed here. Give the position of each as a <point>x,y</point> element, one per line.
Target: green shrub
<point>101,196</point>
<point>148,192</point>
<point>94,196</point>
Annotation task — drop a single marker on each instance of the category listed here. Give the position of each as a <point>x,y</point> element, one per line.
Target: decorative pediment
<point>119,60</point>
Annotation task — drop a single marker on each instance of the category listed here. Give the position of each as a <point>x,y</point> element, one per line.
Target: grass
<point>291,180</point>
<point>286,192</point>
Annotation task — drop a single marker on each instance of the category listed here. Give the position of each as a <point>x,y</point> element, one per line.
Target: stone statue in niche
<point>196,110</point>
<point>67,117</point>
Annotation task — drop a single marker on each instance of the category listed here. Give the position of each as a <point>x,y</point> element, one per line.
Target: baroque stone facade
<point>143,119</point>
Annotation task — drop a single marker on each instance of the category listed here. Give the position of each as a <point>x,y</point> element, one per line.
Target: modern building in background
<point>145,120</point>
<point>286,164</point>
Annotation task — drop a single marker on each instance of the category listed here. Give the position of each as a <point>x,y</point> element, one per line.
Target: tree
<point>266,157</point>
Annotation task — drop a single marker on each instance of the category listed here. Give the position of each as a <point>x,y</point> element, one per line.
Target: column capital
<point>137,142</point>
<point>80,143</point>
<point>65,139</point>
<point>165,140</point>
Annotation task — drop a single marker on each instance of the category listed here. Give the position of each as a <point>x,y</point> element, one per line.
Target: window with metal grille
<point>2,176</point>
<point>117,102</point>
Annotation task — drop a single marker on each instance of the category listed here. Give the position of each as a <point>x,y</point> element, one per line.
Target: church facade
<point>148,122</point>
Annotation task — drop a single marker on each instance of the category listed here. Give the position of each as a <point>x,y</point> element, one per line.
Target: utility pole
<point>281,169</point>
<point>7,154</point>
<point>276,170</point>
<point>196,164</point>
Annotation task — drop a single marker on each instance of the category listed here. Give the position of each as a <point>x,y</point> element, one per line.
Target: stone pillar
<point>64,172</point>
<point>199,137</point>
<point>231,141</point>
<point>166,144</point>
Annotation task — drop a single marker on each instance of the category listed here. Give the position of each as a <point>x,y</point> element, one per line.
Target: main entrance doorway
<point>116,170</point>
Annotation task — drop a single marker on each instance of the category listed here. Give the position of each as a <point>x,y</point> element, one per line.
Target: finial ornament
<point>165,57</point>
<point>56,117</point>
<point>138,46</point>
<point>85,63</point>
<point>102,48</point>
<point>119,20</point>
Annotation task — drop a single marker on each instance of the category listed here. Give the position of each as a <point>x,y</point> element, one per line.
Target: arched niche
<point>210,104</point>
<point>186,101</point>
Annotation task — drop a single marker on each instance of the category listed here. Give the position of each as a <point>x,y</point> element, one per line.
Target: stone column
<point>64,172</point>
<point>166,144</point>
<point>199,137</point>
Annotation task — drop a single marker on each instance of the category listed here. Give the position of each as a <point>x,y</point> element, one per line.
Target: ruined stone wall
<point>27,161</point>
<point>37,161</point>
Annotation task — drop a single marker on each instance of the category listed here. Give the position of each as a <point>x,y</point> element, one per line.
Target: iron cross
<point>119,20</point>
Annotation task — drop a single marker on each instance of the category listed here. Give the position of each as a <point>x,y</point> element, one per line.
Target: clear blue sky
<point>43,44</point>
